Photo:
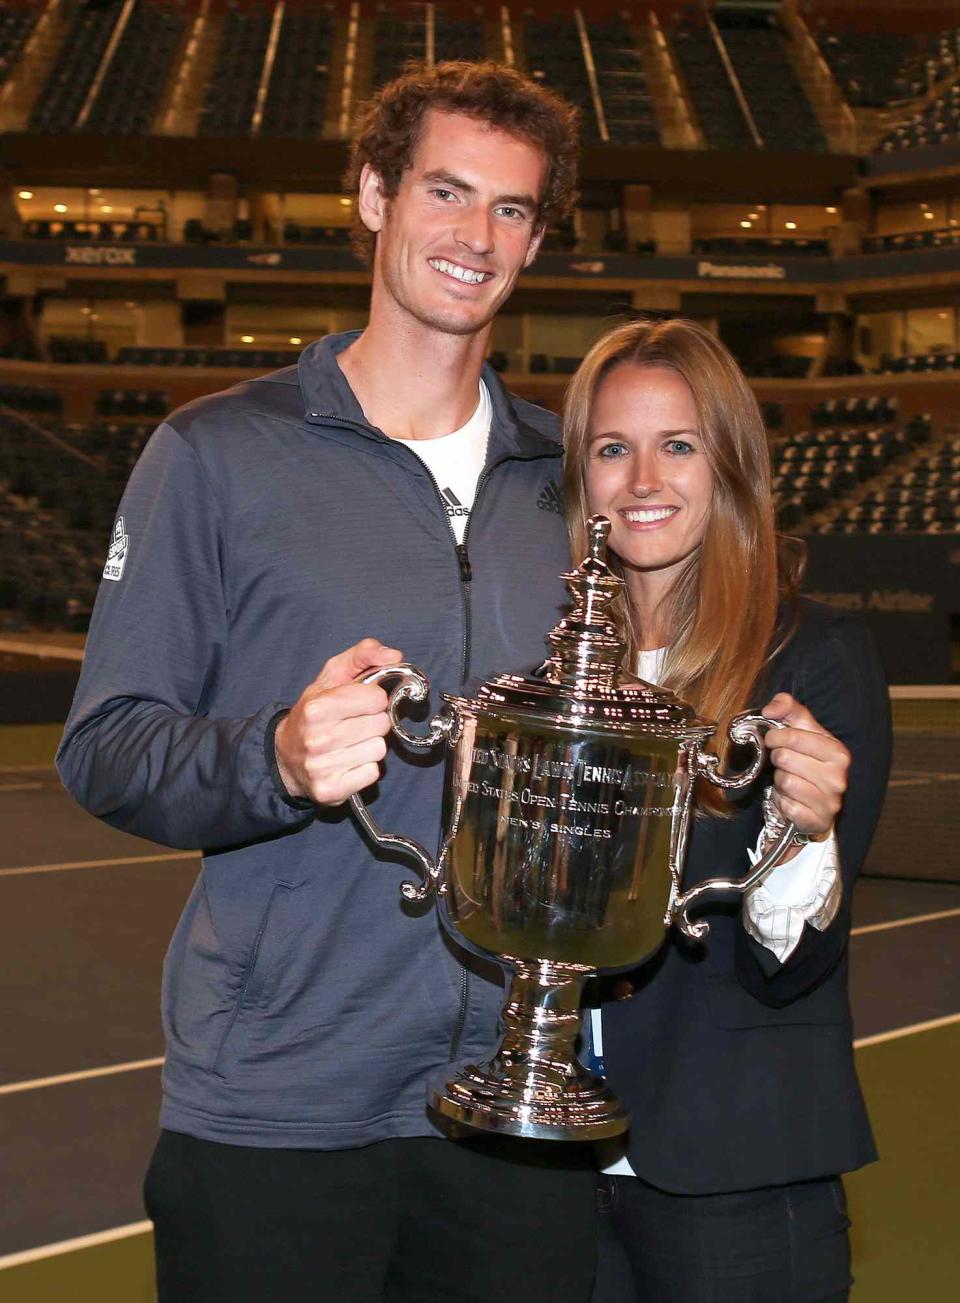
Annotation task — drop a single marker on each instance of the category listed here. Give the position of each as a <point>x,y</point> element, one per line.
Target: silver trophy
<point>568,807</point>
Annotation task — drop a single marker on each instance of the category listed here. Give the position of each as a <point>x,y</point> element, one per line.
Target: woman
<point>734,1056</point>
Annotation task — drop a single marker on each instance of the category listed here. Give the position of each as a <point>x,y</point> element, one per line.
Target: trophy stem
<point>535,1086</point>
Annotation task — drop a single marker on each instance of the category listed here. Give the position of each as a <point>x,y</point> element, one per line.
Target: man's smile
<point>466,275</point>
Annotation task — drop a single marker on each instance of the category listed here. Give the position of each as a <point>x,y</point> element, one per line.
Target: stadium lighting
<point>106,208</point>
<point>247,339</point>
<point>753,216</point>
<point>93,192</point>
<point>59,208</point>
<point>746,224</point>
<point>295,339</point>
<point>346,202</point>
<point>791,226</point>
<point>831,208</point>
<point>928,216</point>
<point>25,194</point>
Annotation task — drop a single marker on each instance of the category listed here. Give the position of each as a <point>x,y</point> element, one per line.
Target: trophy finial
<point>588,650</point>
<point>598,531</point>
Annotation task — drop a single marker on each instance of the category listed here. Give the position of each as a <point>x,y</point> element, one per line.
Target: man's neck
<point>414,381</point>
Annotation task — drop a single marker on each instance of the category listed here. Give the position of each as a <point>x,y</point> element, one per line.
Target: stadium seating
<point>937,124</point>
<point>71,78</point>
<point>263,359</point>
<point>133,402</point>
<point>297,95</point>
<point>129,95</point>
<point>770,247</point>
<point>32,398</point>
<point>231,95</point>
<point>773,91</point>
<point>854,441</point>
<point>555,57</point>
<point>878,69</point>
<point>457,36</point>
<point>903,241</point>
<point>718,109</point>
<point>76,350</point>
<point>17,22</point>
<point>398,38</point>
<point>57,501</point>
<point>945,360</point>
<point>627,104</point>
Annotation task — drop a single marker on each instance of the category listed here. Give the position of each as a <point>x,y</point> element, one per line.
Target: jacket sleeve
<point>839,679</point>
<point>139,750</point>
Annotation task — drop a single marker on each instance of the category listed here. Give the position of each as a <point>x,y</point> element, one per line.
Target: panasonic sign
<point>770,271</point>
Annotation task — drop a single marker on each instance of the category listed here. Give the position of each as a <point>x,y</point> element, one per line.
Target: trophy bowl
<point>567,812</point>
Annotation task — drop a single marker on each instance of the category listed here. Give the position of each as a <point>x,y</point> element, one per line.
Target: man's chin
<point>452,321</point>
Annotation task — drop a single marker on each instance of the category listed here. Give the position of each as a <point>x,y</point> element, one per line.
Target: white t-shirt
<point>455,462</point>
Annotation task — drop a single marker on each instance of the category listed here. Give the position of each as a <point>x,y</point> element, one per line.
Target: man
<point>294,522</point>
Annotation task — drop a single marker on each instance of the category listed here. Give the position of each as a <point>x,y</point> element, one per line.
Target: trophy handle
<point>745,729</point>
<point>412,686</point>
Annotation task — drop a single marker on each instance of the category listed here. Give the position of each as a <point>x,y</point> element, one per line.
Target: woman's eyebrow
<point>616,434</point>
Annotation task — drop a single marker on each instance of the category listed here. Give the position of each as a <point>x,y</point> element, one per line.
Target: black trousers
<point>782,1244</point>
<point>418,1220</point>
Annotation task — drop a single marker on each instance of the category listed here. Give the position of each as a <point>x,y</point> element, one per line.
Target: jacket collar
<point>327,395</point>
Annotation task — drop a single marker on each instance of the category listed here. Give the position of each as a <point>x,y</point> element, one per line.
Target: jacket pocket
<point>729,1005</point>
<point>259,966</point>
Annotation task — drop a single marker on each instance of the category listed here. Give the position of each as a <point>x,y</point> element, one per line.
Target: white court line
<point>903,922</point>
<point>38,1083</point>
<point>924,781</point>
<point>931,1025</point>
<point>72,1246</point>
<point>42,650</point>
<point>925,691</point>
<point>142,1228</point>
<point>97,864</point>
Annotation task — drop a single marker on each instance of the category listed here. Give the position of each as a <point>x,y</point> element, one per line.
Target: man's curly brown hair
<point>389,127</point>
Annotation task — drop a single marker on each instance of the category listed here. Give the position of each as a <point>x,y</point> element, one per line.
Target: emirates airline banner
<point>906,587</point>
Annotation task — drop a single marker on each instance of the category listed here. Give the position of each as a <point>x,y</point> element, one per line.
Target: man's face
<point>462,226</point>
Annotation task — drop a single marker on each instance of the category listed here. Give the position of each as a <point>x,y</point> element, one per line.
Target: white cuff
<point>807,889</point>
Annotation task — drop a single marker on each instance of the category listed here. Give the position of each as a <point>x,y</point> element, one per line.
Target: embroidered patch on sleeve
<point>117,551</point>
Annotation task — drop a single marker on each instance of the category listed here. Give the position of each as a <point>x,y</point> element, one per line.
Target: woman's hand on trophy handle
<point>811,767</point>
<point>751,730</point>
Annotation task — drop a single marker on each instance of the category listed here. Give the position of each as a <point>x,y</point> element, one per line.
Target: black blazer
<point>738,1071</point>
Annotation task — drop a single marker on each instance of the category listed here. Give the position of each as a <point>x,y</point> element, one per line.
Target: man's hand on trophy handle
<point>331,743</point>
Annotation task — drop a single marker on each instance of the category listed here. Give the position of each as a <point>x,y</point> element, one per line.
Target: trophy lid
<point>583,682</point>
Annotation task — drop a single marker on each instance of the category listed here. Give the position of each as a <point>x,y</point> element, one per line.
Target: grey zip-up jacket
<point>264,530</point>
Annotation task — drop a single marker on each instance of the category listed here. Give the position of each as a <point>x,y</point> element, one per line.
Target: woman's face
<point>646,468</point>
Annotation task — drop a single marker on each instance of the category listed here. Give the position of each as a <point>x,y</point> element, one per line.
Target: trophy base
<point>481,1098</point>
<point>535,1086</point>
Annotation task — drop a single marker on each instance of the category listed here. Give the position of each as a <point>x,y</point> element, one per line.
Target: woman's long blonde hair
<point>722,608</point>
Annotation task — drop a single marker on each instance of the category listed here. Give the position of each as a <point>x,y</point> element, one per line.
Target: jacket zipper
<point>466,578</point>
